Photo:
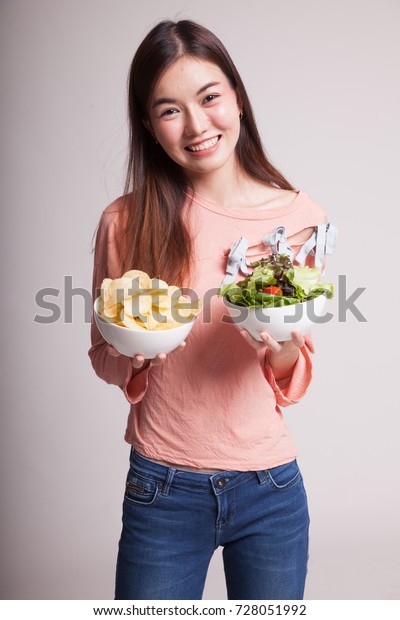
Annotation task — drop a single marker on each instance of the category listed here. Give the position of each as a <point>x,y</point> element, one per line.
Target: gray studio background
<point>322,80</point>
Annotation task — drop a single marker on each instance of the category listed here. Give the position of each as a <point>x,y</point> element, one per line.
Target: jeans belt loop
<point>262,476</point>
<point>166,485</point>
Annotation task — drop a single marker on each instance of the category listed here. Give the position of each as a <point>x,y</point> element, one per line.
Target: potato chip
<point>167,325</point>
<point>136,306</point>
<point>149,321</point>
<point>104,288</point>
<point>120,289</point>
<point>162,315</point>
<point>139,302</point>
<point>141,278</point>
<point>113,318</point>
<point>158,285</point>
<point>169,299</point>
<point>129,321</point>
<point>108,311</point>
<point>186,308</point>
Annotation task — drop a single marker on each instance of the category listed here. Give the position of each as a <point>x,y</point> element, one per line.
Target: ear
<point>148,126</point>
<point>239,101</point>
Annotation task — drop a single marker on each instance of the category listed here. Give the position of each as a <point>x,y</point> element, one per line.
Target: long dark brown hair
<point>154,237</point>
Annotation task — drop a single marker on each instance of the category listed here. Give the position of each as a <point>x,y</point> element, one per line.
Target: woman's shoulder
<point>112,220</point>
<point>115,214</point>
<point>259,195</point>
<point>295,205</point>
<point>118,206</point>
<point>278,197</point>
<point>311,207</point>
<point>302,222</point>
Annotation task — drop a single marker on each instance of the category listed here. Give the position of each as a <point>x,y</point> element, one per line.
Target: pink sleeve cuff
<point>293,389</point>
<point>134,387</point>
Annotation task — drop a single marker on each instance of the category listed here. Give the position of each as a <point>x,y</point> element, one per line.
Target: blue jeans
<point>173,520</point>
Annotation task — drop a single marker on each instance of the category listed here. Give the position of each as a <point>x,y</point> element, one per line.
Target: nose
<point>196,122</point>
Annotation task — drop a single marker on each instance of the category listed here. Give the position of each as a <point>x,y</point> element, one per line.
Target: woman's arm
<point>287,365</point>
<point>130,374</point>
<point>127,373</point>
<point>282,356</point>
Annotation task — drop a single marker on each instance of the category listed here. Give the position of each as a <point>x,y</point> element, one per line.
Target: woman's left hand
<point>275,347</point>
<point>282,356</point>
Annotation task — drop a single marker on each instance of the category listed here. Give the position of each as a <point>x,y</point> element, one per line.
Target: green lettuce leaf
<point>303,279</point>
<point>298,284</point>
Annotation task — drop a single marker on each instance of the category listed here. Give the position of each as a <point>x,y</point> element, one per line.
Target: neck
<point>221,186</point>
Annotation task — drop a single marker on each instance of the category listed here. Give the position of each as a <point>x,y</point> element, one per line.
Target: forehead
<point>190,74</point>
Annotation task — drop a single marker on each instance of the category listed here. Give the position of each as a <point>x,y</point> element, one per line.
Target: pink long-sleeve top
<point>216,404</point>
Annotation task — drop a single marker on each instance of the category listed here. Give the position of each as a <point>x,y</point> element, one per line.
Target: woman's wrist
<point>283,362</point>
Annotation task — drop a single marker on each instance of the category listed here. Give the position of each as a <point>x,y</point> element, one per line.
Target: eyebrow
<point>163,100</point>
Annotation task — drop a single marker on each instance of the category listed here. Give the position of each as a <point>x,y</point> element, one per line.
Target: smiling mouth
<point>204,145</point>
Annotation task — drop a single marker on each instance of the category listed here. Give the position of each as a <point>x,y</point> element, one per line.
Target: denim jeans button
<point>221,482</point>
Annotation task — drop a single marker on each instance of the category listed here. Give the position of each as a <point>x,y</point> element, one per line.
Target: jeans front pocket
<point>284,476</point>
<point>140,491</point>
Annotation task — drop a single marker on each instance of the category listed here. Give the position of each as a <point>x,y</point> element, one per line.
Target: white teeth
<point>205,145</point>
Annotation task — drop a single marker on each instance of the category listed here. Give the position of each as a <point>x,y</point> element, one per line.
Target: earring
<point>241,114</point>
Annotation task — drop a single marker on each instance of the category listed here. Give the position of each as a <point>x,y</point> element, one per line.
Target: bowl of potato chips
<point>140,315</point>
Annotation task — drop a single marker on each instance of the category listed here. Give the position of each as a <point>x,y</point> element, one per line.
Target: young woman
<point>212,462</point>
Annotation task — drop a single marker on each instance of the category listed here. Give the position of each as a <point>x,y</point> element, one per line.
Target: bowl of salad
<point>278,298</point>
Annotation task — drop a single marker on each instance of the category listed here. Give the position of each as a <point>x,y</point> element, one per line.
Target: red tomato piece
<point>272,290</point>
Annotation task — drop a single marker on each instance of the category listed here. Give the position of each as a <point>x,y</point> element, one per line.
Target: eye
<point>209,98</point>
<point>168,112</point>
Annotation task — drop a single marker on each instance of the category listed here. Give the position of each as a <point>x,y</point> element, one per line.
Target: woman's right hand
<point>138,361</point>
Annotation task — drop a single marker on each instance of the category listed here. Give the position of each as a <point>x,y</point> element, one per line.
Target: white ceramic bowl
<point>147,343</point>
<point>281,321</point>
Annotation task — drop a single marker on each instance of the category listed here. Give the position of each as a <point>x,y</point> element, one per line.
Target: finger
<point>158,360</point>
<point>113,351</point>
<point>181,346</point>
<point>256,344</point>
<point>270,342</point>
<point>138,361</point>
<point>298,339</point>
